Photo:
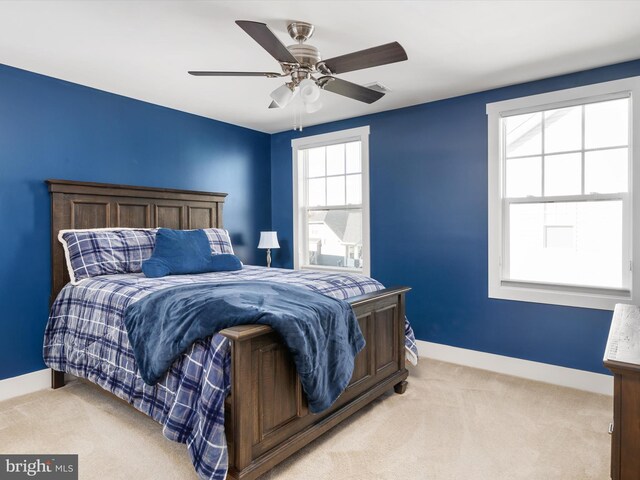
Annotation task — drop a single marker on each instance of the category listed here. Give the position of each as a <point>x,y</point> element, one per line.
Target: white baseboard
<point>23,384</point>
<point>541,372</point>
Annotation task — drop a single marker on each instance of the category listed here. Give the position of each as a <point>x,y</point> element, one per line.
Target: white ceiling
<point>143,49</point>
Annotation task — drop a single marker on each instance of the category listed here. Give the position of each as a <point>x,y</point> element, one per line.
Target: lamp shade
<point>282,95</point>
<point>309,91</point>
<point>268,240</point>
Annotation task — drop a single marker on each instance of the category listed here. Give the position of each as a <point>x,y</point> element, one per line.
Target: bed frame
<point>266,414</point>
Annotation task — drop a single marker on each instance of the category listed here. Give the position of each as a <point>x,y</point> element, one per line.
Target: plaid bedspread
<point>85,336</point>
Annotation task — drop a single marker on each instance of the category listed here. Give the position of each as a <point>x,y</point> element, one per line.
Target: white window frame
<point>299,234</point>
<point>569,295</point>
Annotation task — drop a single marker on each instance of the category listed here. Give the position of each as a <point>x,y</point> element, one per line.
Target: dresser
<point>622,357</point>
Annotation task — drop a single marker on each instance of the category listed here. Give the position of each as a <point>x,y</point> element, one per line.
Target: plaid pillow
<point>106,251</point>
<point>219,240</point>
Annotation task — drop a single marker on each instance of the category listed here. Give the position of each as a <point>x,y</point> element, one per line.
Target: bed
<point>265,415</point>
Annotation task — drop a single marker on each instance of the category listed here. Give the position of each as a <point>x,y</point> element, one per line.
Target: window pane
<point>335,159</point>
<point>606,171</point>
<point>559,236</point>
<point>317,192</point>
<point>524,177</point>
<point>354,189</point>
<point>606,124</point>
<point>335,191</point>
<point>524,134</point>
<point>315,159</point>
<point>562,174</point>
<point>563,129</point>
<point>354,164</point>
<point>578,243</point>
<point>335,238</point>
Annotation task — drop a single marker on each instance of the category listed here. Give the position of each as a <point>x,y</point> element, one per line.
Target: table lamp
<point>268,240</point>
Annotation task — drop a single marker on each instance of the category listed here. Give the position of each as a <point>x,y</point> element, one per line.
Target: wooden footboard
<point>267,418</point>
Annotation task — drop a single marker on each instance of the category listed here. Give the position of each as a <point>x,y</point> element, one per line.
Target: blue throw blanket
<point>321,332</point>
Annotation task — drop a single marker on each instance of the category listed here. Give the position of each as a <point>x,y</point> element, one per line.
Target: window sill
<point>566,295</point>
<point>322,268</point>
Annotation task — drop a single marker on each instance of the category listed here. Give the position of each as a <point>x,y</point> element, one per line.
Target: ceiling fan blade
<point>351,90</point>
<point>234,74</point>
<point>371,57</point>
<point>267,40</point>
<point>273,104</point>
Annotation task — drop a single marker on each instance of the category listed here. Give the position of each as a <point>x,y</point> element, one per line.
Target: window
<point>561,202</point>
<point>331,201</point>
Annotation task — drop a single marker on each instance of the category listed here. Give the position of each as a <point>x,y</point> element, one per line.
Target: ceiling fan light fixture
<point>309,91</point>
<point>282,95</point>
<point>313,107</point>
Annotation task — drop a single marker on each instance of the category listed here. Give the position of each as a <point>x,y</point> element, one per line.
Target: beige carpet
<point>452,423</point>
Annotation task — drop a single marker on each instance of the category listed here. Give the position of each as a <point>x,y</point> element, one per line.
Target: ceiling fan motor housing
<point>307,55</point>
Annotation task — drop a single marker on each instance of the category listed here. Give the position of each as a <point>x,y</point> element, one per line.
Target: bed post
<point>57,379</point>
<point>401,387</point>
<point>243,408</point>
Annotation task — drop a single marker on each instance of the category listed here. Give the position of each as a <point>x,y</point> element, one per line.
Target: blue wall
<point>55,129</point>
<point>428,203</point>
<point>428,185</point>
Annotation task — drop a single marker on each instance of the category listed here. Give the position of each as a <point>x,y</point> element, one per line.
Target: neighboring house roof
<point>346,224</point>
<point>530,127</point>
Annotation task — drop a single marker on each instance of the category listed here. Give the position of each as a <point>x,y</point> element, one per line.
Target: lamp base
<point>268,257</point>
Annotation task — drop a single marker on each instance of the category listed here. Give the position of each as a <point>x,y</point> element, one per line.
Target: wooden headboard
<point>103,205</point>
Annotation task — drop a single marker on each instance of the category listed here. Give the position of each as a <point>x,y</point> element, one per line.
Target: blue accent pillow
<point>184,251</point>
<point>224,262</point>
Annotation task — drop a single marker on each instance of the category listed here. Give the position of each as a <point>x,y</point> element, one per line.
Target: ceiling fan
<point>308,72</point>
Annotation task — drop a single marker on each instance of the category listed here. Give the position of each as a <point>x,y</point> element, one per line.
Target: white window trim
<point>598,298</point>
<point>342,136</point>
